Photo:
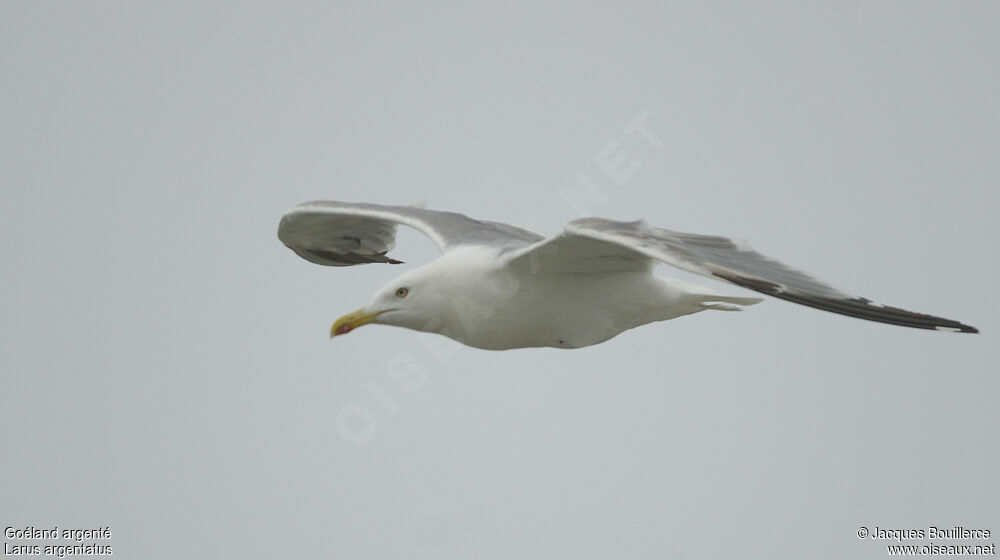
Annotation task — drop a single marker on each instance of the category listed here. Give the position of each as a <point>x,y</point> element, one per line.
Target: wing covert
<point>596,244</point>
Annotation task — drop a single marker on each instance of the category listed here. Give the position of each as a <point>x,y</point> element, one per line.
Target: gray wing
<point>344,234</point>
<point>594,244</point>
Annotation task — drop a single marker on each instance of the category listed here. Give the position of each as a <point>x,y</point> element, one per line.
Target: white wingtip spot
<point>741,244</point>
<point>947,329</point>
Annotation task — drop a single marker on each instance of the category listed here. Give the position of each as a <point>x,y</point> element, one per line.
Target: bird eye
<point>401,293</point>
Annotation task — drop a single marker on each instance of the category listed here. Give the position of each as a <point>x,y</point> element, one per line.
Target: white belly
<point>567,311</point>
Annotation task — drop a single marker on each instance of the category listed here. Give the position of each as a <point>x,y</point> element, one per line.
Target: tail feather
<point>728,303</point>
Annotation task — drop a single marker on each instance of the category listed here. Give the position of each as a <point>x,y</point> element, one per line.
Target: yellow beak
<point>351,321</point>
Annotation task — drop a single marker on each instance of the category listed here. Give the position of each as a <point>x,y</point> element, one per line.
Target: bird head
<point>412,300</point>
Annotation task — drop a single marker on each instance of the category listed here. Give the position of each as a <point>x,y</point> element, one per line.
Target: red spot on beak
<point>343,329</point>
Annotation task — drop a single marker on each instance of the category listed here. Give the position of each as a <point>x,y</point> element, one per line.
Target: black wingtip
<point>865,309</point>
<point>387,259</point>
<point>861,308</point>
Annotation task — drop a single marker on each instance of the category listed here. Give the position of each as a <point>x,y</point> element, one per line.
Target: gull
<point>498,286</point>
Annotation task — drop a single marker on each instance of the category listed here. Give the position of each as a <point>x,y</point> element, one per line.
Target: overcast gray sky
<point>166,367</point>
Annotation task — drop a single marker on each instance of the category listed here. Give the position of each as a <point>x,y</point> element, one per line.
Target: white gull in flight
<point>498,286</point>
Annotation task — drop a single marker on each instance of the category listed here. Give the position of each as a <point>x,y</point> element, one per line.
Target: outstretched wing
<point>344,234</point>
<point>595,244</point>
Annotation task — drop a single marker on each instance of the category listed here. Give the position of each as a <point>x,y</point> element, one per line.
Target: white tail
<point>727,303</point>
